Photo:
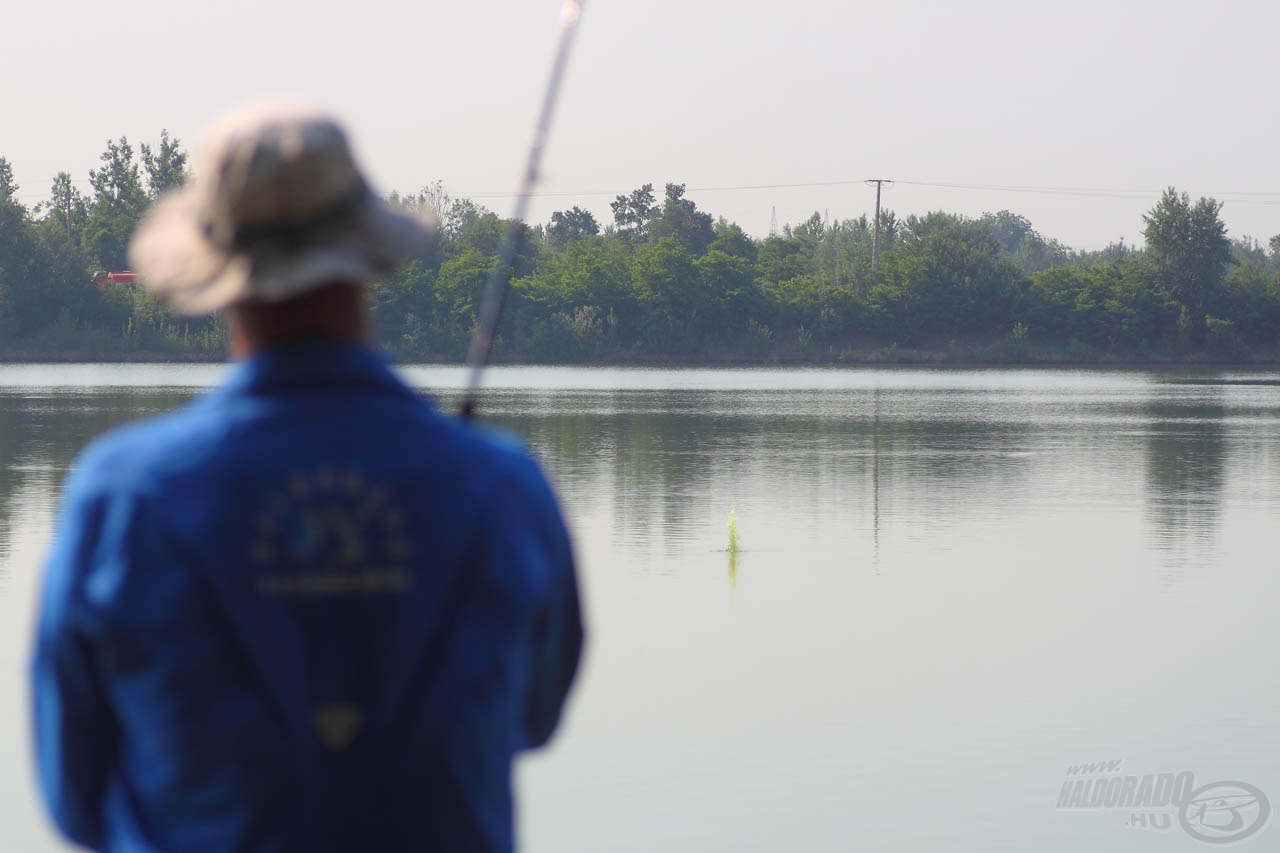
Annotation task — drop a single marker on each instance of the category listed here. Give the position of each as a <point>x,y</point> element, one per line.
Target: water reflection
<point>41,431</point>
<point>840,466</point>
<point>983,542</point>
<point>1186,466</point>
<point>833,467</point>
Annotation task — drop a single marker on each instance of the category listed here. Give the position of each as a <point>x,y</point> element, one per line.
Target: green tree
<point>116,205</point>
<point>1189,247</point>
<point>917,229</point>
<point>811,230</point>
<point>460,286</point>
<point>15,247</point>
<point>63,216</point>
<point>589,271</point>
<point>412,318</point>
<point>1008,228</point>
<point>782,258</point>
<point>633,213</point>
<point>166,167</point>
<point>41,279</point>
<point>8,183</point>
<point>572,224</point>
<point>463,215</point>
<point>963,289</point>
<point>673,296</point>
<point>1022,243</point>
<point>728,292</point>
<point>732,240</point>
<point>890,229</point>
<point>680,220</point>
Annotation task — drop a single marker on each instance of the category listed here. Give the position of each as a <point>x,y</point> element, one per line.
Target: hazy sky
<point>1110,100</point>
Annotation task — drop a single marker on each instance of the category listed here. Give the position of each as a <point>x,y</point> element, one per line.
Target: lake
<point>952,585</point>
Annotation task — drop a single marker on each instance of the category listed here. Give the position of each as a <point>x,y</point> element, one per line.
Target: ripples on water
<point>952,584</point>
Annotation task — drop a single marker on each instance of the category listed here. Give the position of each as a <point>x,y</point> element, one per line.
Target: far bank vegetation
<point>667,282</point>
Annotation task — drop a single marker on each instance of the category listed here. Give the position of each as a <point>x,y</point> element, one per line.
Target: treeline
<point>49,306</point>
<point>666,281</point>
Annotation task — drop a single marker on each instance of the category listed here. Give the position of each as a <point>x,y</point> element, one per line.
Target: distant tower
<point>773,222</point>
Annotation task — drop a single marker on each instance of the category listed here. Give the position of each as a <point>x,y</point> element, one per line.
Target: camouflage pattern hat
<point>276,207</point>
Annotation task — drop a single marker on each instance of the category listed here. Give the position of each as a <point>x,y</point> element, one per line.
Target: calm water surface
<point>953,584</point>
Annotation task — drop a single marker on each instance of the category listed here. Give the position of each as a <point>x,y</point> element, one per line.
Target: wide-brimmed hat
<point>276,207</point>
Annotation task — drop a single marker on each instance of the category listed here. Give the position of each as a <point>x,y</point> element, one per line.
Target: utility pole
<point>875,239</point>
<point>773,222</point>
<point>68,211</point>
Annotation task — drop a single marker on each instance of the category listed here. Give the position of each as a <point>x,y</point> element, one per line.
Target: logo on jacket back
<point>330,533</point>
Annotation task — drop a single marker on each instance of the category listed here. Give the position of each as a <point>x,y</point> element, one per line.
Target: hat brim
<point>175,258</point>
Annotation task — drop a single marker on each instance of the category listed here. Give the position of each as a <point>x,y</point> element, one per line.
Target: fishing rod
<point>499,283</point>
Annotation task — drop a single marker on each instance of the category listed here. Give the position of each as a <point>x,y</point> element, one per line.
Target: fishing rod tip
<point>570,11</point>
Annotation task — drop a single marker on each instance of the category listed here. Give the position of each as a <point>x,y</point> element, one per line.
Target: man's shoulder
<point>502,455</point>
<point>129,456</point>
<point>199,439</point>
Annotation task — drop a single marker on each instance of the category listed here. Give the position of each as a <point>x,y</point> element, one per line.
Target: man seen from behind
<point>308,611</point>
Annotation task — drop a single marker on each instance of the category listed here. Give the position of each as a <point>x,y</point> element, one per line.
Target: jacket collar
<point>320,366</point>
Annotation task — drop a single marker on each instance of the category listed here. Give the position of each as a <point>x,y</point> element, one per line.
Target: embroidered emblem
<point>337,725</point>
<point>330,533</point>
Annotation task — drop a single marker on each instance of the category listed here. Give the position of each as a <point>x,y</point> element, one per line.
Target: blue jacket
<point>307,612</point>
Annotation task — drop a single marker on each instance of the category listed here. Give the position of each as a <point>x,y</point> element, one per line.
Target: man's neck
<point>335,313</point>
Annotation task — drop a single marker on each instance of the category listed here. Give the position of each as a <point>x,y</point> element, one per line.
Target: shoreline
<point>882,357</point>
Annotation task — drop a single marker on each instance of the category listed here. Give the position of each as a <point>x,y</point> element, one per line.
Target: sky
<point>1073,114</point>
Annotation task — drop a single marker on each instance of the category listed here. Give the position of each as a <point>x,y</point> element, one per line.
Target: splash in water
<point>733,548</point>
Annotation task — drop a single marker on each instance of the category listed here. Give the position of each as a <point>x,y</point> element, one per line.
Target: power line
<point>1241,197</point>
<point>1268,198</point>
<point>584,193</point>
<point>1091,192</point>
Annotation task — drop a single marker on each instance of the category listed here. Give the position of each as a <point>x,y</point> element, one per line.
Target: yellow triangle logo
<point>337,725</point>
